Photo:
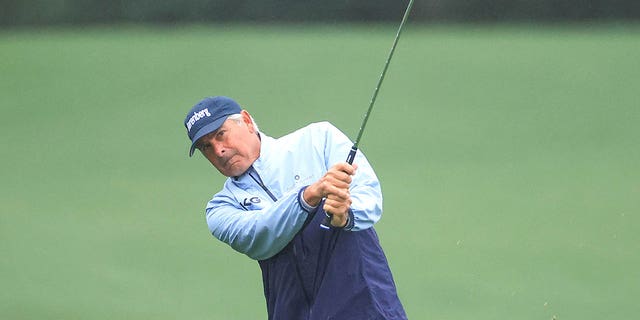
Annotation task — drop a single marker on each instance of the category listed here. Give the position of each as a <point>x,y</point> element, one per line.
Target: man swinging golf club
<point>271,206</point>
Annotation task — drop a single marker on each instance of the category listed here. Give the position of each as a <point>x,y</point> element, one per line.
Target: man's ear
<point>246,118</point>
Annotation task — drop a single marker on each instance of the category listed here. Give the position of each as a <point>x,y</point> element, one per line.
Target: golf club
<point>326,223</point>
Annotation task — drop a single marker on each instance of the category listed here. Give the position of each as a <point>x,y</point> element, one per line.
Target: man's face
<point>232,148</point>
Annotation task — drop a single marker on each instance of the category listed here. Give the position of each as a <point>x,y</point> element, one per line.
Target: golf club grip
<point>352,154</point>
<point>326,222</point>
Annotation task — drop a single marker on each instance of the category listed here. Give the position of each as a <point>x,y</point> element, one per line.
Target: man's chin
<point>233,171</point>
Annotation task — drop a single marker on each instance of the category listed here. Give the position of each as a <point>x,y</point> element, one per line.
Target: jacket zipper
<point>258,180</point>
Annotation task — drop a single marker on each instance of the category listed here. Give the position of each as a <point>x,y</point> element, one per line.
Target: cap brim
<point>211,127</point>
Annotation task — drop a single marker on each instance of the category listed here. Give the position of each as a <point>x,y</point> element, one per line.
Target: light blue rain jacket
<point>259,212</point>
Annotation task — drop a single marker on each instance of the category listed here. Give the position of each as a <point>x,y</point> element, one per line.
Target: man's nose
<point>219,148</point>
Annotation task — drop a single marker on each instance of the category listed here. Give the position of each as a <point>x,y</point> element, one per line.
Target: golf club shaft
<point>326,223</point>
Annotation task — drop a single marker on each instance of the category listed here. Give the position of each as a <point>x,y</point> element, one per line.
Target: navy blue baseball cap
<point>207,116</point>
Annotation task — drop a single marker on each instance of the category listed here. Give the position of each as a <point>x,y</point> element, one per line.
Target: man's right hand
<point>334,187</point>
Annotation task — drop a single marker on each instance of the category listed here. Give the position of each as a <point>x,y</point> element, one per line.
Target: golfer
<point>270,208</point>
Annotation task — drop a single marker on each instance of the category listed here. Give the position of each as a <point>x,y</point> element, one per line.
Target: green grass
<point>508,158</point>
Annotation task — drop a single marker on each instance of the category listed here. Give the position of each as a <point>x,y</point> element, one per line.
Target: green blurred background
<point>508,156</point>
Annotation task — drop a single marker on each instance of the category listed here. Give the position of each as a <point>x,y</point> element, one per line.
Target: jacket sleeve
<point>366,195</point>
<point>259,234</point>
